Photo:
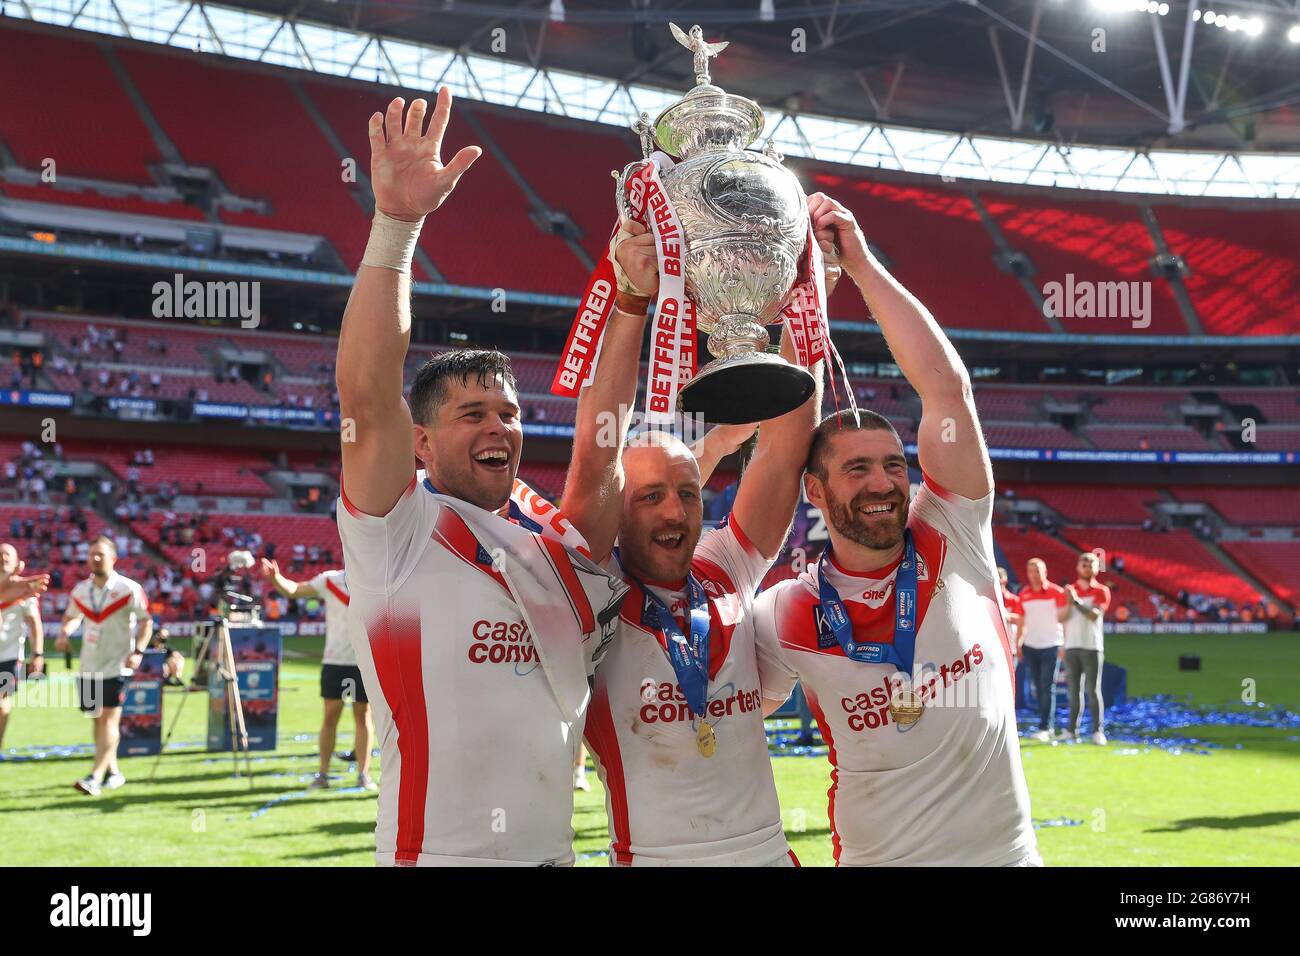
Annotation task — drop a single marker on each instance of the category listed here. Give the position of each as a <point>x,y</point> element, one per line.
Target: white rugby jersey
<point>108,618</point>
<point>477,759</point>
<point>13,626</point>
<point>1081,632</point>
<point>1041,627</point>
<point>949,789</point>
<point>667,803</point>
<point>332,586</point>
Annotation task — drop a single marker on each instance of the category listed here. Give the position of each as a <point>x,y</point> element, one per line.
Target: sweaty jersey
<point>332,586</point>
<point>477,758</point>
<point>949,789</point>
<point>13,626</point>
<point>108,622</point>
<point>1079,631</point>
<point>668,804</point>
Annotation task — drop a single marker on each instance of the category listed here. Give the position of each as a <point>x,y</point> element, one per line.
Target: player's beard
<point>878,533</point>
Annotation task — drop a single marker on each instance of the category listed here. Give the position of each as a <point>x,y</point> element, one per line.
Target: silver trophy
<point>745,219</point>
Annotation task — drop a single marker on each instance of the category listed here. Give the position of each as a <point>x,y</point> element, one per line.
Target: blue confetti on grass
<point>1146,721</point>
<point>1057,822</point>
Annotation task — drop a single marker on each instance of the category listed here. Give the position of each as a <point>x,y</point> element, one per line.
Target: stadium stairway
<point>1007,254</point>
<point>1176,284</point>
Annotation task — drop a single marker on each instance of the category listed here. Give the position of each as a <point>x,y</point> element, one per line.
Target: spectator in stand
<point>1041,602</point>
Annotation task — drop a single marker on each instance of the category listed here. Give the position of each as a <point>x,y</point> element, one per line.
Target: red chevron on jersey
<point>338,592</point>
<point>99,617</point>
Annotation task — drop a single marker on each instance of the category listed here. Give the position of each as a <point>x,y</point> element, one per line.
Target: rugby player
<point>20,619</point>
<point>916,705</point>
<point>478,739</point>
<point>676,721</point>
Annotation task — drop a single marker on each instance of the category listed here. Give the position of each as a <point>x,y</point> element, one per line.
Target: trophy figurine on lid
<point>736,254</point>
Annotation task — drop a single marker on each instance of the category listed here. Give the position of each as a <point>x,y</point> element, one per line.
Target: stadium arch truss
<point>291,42</point>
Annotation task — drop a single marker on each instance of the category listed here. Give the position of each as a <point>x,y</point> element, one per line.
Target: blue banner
<point>142,711</point>
<point>257,667</point>
<point>38,399</point>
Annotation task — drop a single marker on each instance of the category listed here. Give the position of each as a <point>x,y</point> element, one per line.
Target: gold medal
<point>906,708</point>
<point>706,740</point>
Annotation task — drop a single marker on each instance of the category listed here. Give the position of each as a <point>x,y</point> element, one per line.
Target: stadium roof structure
<point>1189,98</point>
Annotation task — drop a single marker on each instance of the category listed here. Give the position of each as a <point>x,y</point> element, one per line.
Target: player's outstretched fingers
<point>441,114</point>
<point>415,118</point>
<point>393,118</point>
<point>462,161</point>
<point>376,132</point>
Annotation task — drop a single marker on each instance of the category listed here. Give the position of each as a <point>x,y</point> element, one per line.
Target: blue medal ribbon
<point>689,657</point>
<point>835,618</point>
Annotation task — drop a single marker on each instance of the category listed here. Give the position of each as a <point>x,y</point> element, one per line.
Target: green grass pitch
<point>1236,805</point>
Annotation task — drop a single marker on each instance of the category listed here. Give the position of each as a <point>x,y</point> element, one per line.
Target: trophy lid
<point>707,117</point>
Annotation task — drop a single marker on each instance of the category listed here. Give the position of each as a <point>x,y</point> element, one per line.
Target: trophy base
<point>749,387</point>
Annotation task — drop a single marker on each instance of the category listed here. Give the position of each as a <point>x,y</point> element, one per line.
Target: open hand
<point>406,169</point>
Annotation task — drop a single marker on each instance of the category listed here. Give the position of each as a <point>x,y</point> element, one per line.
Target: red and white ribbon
<point>672,336</point>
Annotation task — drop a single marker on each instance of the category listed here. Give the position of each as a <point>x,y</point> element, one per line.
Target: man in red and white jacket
<point>1042,603</point>
<point>1087,602</point>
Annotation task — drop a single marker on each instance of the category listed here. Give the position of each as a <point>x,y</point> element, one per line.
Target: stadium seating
<point>937,247</point>
<point>568,164</point>
<point>1245,276</point>
<point>1169,561</point>
<point>1018,545</point>
<point>74,80</point>
<point>1277,562</point>
<point>1277,438</point>
<point>504,249</point>
<point>1023,435</point>
<point>1156,406</point>
<point>1084,503</point>
<point>1095,242</point>
<point>284,531</point>
<point>1156,438</point>
<point>1248,507</point>
<point>137,205</point>
<point>303,183</point>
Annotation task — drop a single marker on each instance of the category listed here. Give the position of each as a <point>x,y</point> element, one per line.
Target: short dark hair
<point>843,420</point>
<point>429,390</point>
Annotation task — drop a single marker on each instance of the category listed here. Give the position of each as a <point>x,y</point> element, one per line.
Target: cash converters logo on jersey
<point>665,703</point>
<point>502,642</point>
<point>78,909</point>
<point>945,686</point>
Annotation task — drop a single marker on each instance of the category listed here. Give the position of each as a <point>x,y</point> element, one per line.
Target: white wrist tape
<point>392,242</point>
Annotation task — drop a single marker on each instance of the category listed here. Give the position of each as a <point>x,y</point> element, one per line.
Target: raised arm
<point>593,488</point>
<point>289,588</point>
<point>717,444</point>
<point>409,181</point>
<point>769,489</point>
<point>15,588</point>
<point>950,441</point>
